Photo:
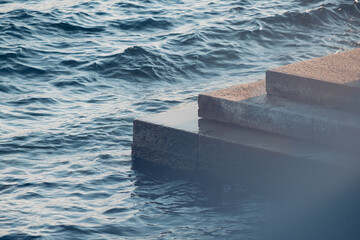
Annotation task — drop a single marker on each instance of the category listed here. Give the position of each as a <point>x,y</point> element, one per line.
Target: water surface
<point>73,76</point>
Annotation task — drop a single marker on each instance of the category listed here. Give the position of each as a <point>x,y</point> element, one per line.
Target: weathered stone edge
<point>255,116</point>
<point>164,145</point>
<point>313,91</point>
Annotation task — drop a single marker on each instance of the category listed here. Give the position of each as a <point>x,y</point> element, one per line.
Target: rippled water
<point>73,76</point>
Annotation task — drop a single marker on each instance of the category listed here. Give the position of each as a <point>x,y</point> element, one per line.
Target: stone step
<point>248,105</point>
<point>332,81</point>
<point>179,139</point>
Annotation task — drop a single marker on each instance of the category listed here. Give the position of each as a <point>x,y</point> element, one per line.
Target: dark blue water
<point>75,73</point>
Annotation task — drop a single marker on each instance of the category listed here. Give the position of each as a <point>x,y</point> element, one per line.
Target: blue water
<point>75,73</point>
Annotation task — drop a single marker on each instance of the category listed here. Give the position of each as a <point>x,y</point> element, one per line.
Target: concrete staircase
<point>304,118</point>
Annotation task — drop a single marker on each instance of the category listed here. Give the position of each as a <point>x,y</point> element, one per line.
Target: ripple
<point>116,210</point>
<point>73,229</point>
<point>142,25</point>
<point>88,196</point>
<point>23,69</point>
<point>128,5</point>
<point>74,28</point>
<point>136,64</point>
<point>29,195</point>
<point>19,235</point>
<point>71,63</point>
<point>32,100</point>
<point>68,83</point>
<point>6,186</point>
<point>5,88</point>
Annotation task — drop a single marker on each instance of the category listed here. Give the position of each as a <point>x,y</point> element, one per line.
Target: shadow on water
<point>215,190</point>
<point>309,207</point>
<point>328,212</point>
<point>208,202</point>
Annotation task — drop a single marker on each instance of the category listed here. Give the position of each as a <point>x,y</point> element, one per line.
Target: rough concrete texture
<point>332,81</point>
<point>226,150</point>
<point>281,116</point>
<point>240,92</point>
<point>167,139</point>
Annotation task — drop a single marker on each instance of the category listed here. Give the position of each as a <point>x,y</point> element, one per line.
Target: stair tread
<point>186,120</point>
<point>279,115</point>
<point>332,80</point>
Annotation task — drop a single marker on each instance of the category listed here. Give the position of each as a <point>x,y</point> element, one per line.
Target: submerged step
<point>179,139</point>
<point>168,139</point>
<point>248,105</point>
<point>332,81</point>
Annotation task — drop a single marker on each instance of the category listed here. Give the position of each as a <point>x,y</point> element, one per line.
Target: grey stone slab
<point>168,139</point>
<point>281,116</point>
<point>227,151</point>
<point>257,157</point>
<point>332,80</point>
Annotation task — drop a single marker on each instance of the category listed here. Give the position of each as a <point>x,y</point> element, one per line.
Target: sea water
<point>74,74</point>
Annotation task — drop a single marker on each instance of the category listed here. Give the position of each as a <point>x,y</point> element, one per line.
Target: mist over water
<point>74,75</point>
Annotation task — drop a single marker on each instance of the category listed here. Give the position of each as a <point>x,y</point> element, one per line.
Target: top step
<point>332,81</point>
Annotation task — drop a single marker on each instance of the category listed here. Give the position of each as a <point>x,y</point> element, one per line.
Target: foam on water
<point>73,76</point>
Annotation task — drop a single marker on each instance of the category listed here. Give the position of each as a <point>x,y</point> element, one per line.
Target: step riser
<point>332,81</point>
<point>218,157</point>
<point>163,145</point>
<point>312,91</point>
<point>235,161</point>
<point>261,117</point>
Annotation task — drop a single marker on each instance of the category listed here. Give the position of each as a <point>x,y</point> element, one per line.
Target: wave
<point>74,28</point>
<point>127,5</point>
<point>136,64</point>
<point>68,83</point>
<point>10,89</point>
<point>33,100</point>
<point>15,30</point>
<point>23,69</point>
<point>326,15</point>
<point>142,24</point>
<point>19,235</point>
